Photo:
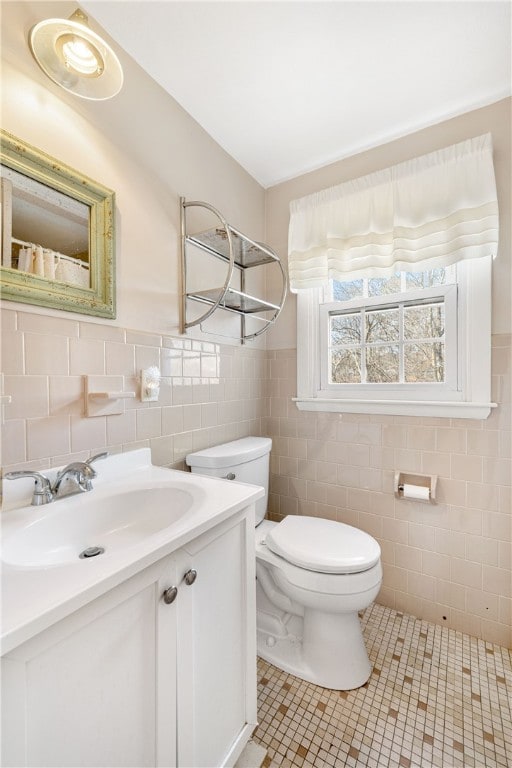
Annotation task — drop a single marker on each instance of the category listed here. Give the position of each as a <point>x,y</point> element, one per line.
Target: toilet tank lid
<point>229,454</point>
<point>323,545</point>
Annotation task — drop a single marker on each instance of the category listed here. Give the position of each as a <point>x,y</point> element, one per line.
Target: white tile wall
<point>449,563</point>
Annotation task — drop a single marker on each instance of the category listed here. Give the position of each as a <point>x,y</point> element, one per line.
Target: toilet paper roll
<point>421,492</point>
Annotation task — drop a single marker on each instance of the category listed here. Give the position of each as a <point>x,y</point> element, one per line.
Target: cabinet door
<point>216,645</point>
<point>84,692</point>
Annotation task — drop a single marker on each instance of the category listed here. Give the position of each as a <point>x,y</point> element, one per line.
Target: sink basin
<point>110,522</point>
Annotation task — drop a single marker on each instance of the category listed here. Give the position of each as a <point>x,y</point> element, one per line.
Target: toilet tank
<point>245,460</point>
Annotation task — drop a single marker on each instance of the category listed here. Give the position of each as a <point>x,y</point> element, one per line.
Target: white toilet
<point>313,576</point>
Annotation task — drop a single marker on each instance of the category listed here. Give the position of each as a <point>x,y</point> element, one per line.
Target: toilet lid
<point>231,454</point>
<point>322,545</point>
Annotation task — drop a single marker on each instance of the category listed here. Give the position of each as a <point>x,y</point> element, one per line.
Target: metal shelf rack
<point>238,252</point>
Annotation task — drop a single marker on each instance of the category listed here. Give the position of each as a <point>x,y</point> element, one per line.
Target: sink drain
<point>91,552</point>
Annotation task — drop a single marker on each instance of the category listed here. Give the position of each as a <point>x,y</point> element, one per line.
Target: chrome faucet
<point>75,478</point>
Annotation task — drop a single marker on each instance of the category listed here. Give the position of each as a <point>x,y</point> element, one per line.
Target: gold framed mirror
<point>57,233</point>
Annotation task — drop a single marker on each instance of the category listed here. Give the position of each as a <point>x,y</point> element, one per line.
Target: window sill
<point>449,410</point>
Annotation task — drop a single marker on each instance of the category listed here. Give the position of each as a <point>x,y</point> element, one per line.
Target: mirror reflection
<point>49,231</point>
<point>57,233</point>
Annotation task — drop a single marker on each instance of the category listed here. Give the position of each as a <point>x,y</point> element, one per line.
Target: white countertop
<point>35,597</point>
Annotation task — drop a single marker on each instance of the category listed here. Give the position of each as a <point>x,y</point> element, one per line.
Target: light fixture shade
<point>76,58</point>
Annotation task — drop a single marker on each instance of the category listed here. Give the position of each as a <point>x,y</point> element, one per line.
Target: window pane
<point>386,343</point>
<point>382,364</point>
<point>424,322</point>
<point>415,280</point>
<point>346,366</point>
<point>346,289</point>
<point>381,325</point>
<point>378,286</point>
<point>345,329</point>
<point>424,362</point>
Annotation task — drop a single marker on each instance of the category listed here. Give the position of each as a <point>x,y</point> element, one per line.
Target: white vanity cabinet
<point>129,680</point>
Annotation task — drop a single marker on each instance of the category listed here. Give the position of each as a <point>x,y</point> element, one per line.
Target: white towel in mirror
<point>39,261</point>
<point>49,264</point>
<point>25,259</point>
<point>62,270</point>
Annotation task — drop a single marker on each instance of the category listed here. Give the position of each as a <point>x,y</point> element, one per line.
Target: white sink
<point>138,512</point>
<point>112,522</point>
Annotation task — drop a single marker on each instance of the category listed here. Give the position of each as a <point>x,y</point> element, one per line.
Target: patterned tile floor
<point>436,697</point>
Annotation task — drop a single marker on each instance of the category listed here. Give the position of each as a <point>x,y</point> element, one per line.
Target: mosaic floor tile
<point>436,698</point>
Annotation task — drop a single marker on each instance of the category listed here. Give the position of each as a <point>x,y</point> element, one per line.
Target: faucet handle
<point>42,488</point>
<point>102,455</point>
<point>77,468</point>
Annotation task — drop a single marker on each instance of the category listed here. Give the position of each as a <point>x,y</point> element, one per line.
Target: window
<point>414,343</point>
<point>390,331</point>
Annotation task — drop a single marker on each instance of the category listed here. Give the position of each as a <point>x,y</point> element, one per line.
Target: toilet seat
<point>323,546</point>
<point>318,584</point>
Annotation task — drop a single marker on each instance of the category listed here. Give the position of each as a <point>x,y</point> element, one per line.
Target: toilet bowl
<point>315,631</point>
<point>313,576</point>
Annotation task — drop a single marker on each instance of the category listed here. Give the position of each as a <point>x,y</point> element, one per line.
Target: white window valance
<point>436,209</point>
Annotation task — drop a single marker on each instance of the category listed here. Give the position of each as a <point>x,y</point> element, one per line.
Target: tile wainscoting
<point>209,393</point>
<point>449,563</point>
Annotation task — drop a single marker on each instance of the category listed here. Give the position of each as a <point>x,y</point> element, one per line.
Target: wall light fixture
<point>76,58</point>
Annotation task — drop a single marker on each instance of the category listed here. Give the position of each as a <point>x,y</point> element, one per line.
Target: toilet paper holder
<point>415,487</point>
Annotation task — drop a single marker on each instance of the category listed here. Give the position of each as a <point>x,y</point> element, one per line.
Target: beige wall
<point>494,119</point>
<point>448,563</point>
<point>144,146</point>
<point>452,560</point>
<point>141,144</point>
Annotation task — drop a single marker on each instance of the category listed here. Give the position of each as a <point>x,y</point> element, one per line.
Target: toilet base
<point>324,649</point>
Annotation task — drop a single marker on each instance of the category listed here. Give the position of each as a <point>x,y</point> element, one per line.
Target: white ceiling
<point>286,87</point>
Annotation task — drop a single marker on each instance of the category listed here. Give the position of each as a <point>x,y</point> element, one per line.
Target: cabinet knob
<point>170,594</point>
<point>190,576</point>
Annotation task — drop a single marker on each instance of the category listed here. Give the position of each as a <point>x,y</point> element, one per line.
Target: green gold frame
<point>97,300</point>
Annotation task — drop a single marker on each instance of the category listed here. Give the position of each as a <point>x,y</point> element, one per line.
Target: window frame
<point>465,394</point>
